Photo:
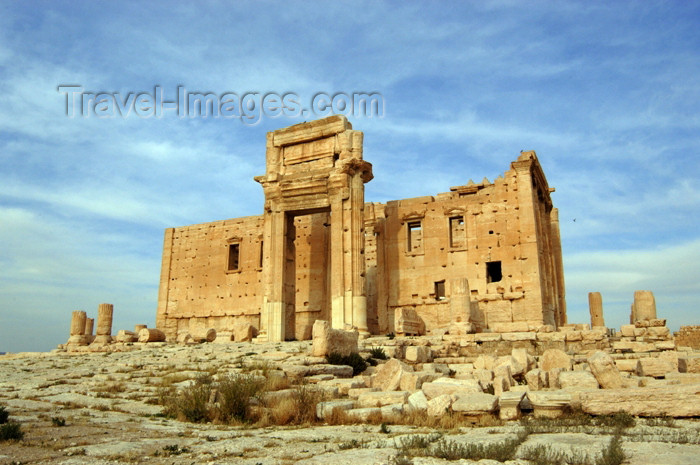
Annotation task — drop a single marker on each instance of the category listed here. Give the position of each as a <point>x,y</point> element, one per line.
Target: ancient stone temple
<point>480,257</point>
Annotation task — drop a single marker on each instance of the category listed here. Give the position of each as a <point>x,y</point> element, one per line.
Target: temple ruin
<point>482,257</point>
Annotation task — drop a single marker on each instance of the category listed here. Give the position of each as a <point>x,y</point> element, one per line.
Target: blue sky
<point>607,93</point>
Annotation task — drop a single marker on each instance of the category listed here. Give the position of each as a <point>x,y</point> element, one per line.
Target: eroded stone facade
<point>480,257</point>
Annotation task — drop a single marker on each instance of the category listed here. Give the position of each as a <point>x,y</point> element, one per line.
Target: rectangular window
<point>234,251</point>
<point>457,232</point>
<point>440,290</point>
<point>415,236</point>
<point>493,272</point>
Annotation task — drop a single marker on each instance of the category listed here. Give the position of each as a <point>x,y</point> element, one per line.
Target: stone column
<point>89,328</point>
<point>595,307</point>
<point>104,324</point>
<point>77,328</point>
<point>644,306</point>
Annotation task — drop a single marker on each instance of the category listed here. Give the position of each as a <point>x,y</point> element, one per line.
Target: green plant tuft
<point>11,431</point>
<point>378,353</point>
<point>354,360</point>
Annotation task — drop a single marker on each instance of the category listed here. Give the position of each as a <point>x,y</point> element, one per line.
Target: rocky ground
<point>108,403</point>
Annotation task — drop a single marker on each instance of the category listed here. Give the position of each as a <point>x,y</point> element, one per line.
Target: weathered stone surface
<point>555,358</point>
<point>413,380</point>
<point>126,336</point>
<point>475,403</point>
<point>674,401</point>
<point>689,364</point>
<point>418,354</point>
<point>104,324</point>
<point>535,378</point>
<point>408,322</point>
<point>516,369</point>
<point>509,405</point>
<point>327,340</point>
<point>595,307</point>
<point>526,360</point>
<point>654,367</point>
<point>644,306</point>
<point>364,414</point>
<point>627,364</point>
<point>447,386</point>
<point>204,335</point>
<point>484,362</point>
<point>324,409</point>
<point>381,398</point>
<point>549,403</point>
<point>151,335</point>
<point>418,401</point>
<point>440,405</point>
<point>577,380</point>
<point>388,375</point>
<point>606,373</point>
<point>243,332</point>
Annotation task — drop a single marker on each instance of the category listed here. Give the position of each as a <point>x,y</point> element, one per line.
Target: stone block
<point>665,345</point>
<point>440,405</point>
<point>654,367</point>
<point>500,385</point>
<point>381,398</point>
<point>557,336</point>
<point>510,327</point>
<point>606,373</point>
<point>413,380</point>
<point>364,414</point>
<point>534,379</point>
<point>444,386</point>
<point>627,330</point>
<point>672,401</point>
<point>418,401</point>
<point>327,340</point>
<point>689,364</point>
<point>512,337</point>
<point>388,376</point>
<point>573,336</point>
<point>516,368</point>
<point>524,358</point>
<point>475,403</point>
<point>487,337</point>
<point>244,332</point>
<point>418,354</point>
<point>324,409</point>
<point>555,358</point>
<point>408,322</point>
<point>577,380</point>
<point>126,336</point>
<point>484,362</point>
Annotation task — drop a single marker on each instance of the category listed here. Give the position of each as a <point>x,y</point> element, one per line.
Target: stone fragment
<point>654,367</point>
<point>151,335</point>
<point>475,403</point>
<point>440,405</point>
<point>484,376</point>
<point>381,398</point>
<point>446,386</point>
<point>408,322</point>
<point>577,380</point>
<point>550,404</point>
<point>535,379</point>
<point>325,409</point>
<point>388,375</point>
<point>327,340</point>
<point>526,360</point>
<point>500,385</point>
<point>244,332</point>
<point>516,369</point>
<point>484,362</point>
<point>126,336</point>
<point>204,335</point>
<point>413,380</point>
<point>627,364</point>
<point>672,401</point>
<point>509,405</point>
<point>418,354</point>
<point>555,358</point>
<point>418,401</point>
<point>364,414</point>
<point>606,373</point>
<point>689,364</point>
<point>504,371</point>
